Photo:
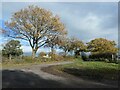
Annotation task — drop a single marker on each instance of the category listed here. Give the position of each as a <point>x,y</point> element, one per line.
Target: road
<point>34,77</point>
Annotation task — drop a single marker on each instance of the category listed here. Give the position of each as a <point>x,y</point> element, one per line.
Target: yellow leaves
<point>12,24</point>
<point>36,35</point>
<point>27,25</point>
<point>103,45</point>
<point>36,22</point>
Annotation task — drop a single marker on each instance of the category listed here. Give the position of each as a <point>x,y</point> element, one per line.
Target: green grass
<point>91,69</point>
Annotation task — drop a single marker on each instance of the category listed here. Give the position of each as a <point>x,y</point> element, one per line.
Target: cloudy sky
<point>84,20</point>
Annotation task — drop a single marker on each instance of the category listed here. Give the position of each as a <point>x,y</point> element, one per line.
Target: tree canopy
<point>12,48</point>
<point>77,46</point>
<point>36,25</point>
<point>65,45</point>
<point>101,45</point>
<point>72,44</point>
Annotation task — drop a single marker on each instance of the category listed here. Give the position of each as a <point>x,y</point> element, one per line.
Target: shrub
<point>107,57</point>
<point>50,54</point>
<point>55,56</point>
<point>42,54</point>
<point>5,60</point>
<point>69,57</point>
<point>15,59</point>
<point>28,59</point>
<point>58,57</point>
<point>62,54</point>
<point>85,58</point>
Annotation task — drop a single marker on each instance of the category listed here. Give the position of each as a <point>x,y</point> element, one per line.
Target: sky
<point>83,20</point>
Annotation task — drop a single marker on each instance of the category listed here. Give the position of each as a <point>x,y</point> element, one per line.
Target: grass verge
<point>94,70</point>
<point>28,62</point>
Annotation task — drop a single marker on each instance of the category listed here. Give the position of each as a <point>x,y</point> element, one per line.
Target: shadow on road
<point>21,79</point>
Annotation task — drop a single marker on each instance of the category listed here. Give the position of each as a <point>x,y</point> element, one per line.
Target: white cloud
<point>90,26</point>
<point>90,23</point>
<point>27,49</point>
<point>81,22</point>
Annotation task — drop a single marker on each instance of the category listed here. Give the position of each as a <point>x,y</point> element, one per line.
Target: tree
<point>77,46</point>
<point>101,46</point>
<point>42,54</point>
<point>2,31</point>
<point>35,25</point>
<point>65,45</point>
<point>72,44</point>
<point>54,42</point>
<point>12,48</point>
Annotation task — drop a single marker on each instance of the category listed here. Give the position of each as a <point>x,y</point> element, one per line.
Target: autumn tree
<point>72,44</point>
<point>12,48</point>
<point>102,46</point>
<point>65,45</point>
<point>54,42</point>
<point>35,25</point>
<point>77,46</point>
<point>42,54</point>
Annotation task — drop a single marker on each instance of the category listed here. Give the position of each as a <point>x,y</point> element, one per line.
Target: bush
<point>15,59</point>
<point>44,59</point>
<point>100,57</point>
<point>5,60</point>
<point>69,57</point>
<point>42,54</point>
<point>107,57</point>
<point>55,56</point>
<point>50,54</point>
<point>85,58</point>
<point>62,54</point>
<point>28,59</point>
<point>58,57</point>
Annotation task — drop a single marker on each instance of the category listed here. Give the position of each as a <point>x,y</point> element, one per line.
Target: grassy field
<point>95,70</point>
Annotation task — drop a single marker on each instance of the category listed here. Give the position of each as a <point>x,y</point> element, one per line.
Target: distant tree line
<point>100,49</point>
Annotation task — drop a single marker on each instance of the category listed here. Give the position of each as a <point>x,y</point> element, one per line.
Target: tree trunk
<point>33,53</point>
<point>52,53</point>
<point>65,53</point>
<point>52,50</point>
<point>10,57</point>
